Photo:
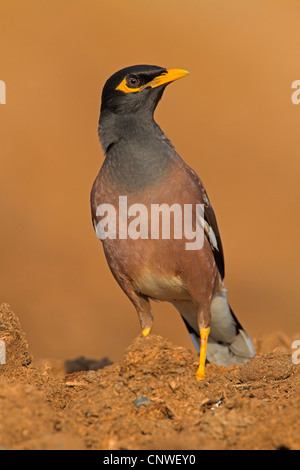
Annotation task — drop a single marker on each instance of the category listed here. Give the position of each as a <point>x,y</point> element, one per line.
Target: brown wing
<point>211,228</point>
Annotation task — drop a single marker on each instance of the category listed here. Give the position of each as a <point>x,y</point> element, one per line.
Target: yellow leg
<point>200,374</point>
<point>146,331</point>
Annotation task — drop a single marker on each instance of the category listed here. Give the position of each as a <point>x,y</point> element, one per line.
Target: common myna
<point>142,171</point>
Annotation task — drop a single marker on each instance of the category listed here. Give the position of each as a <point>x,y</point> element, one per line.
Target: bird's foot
<point>200,374</point>
<point>204,333</point>
<point>146,331</point>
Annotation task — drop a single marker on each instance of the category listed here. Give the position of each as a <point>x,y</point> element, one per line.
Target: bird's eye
<point>132,81</point>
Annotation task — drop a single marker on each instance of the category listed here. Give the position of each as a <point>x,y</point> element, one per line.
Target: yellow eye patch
<point>124,87</point>
<point>166,77</point>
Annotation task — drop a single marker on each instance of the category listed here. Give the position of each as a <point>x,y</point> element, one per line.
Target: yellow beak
<point>167,77</point>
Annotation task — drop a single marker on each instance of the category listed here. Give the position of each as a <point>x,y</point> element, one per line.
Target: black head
<point>135,88</point>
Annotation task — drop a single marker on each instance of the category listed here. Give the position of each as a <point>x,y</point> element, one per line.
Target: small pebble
<point>141,401</point>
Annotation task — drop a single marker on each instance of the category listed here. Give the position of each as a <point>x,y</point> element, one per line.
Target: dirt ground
<point>148,400</point>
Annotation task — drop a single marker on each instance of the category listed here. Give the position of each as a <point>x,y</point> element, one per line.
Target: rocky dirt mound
<point>149,400</point>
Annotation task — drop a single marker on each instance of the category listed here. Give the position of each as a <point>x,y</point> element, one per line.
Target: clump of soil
<point>149,400</point>
<point>17,354</point>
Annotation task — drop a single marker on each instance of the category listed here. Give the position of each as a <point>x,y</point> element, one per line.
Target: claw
<point>146,331</point>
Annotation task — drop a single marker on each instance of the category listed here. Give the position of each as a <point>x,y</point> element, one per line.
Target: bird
<point>142,169</point>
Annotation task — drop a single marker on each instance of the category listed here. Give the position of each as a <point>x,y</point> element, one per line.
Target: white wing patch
<point>209,232</point>
<point>211,235</point>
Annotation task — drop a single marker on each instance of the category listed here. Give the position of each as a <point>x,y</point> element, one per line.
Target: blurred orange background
<point>232,120</point>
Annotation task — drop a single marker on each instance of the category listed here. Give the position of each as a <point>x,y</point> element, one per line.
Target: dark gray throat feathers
<point>137,152</point>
